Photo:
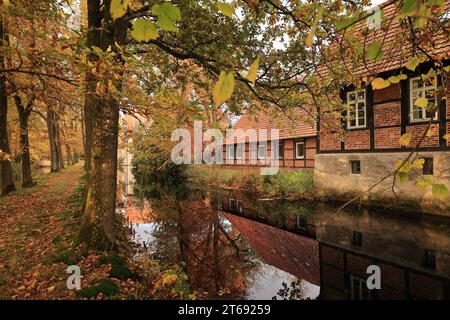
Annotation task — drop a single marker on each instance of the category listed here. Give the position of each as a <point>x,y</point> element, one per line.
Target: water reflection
<point>236,247</point>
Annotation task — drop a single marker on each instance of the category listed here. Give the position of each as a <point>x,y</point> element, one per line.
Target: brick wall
<point>333,257</point>
<point>387,122</point>
<point>447,102</point>
<point>357,265</point>
<point>448,131</point>
<point>396,280</point>
<point>289,160</point>
<point>329,141</point>
<point>333,277</point>
<point>417,132</point>
<point>386,138</point>
<point>425,287</point>
<point>389,93</point>
<point>358,139</point>
<point>387,114</point>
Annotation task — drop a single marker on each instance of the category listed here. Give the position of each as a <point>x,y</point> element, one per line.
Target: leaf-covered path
<point>37,243</point>
<point>32,234</point>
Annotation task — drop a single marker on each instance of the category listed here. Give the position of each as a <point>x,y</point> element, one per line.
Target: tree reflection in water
<point>216,258</point>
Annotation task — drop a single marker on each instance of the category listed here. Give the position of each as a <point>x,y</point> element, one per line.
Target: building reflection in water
<point>239,248</point>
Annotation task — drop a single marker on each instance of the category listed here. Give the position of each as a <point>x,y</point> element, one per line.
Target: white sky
<point>377,2</point>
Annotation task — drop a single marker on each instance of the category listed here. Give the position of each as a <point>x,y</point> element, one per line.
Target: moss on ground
<point>105,286</point>
<point>119,268</point>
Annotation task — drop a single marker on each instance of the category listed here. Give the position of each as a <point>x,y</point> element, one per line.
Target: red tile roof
<point>396,42</point>
<point>284,250</point>
<point>298,123</point>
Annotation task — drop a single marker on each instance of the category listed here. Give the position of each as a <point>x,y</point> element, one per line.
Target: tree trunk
<point>6,182</point>
<point>102,129</point>
<point>59,145</point>
<point>76,156</point>
<point>98,220</point>
<point>69,155</point>
<point>6,178</point>
<point>93,39</point>
<point>83,133</point>
<point>24,114</point>
<point>51,128</point>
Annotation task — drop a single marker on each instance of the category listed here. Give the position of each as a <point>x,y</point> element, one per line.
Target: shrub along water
<point>286,184</point>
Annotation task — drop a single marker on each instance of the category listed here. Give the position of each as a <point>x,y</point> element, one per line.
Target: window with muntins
<point>357,109</point>
<point>421,88</point>
<point>355,166</point>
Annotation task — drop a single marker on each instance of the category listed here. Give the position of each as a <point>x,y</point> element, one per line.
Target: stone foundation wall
<point>334,180</point>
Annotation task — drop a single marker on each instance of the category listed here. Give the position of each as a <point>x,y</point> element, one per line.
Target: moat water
<point>233,246</point>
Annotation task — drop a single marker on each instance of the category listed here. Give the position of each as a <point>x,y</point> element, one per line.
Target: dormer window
<point>420,88</point>
<point>357,110</point>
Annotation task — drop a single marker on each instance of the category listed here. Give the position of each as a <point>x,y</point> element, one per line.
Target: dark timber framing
<point>404,122</point>
<point>284,160</point>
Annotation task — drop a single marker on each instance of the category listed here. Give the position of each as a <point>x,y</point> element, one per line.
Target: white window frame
<point>230,155</point>
<point>411,100</point>
<point>361,286</point>
<point>354,104</point>
<point>303,149</point>
<point>280,156</point>
<point>241,147</point>
<point>262,146</point>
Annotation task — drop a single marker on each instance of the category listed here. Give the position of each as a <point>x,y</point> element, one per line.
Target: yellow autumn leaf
<point>418,163</point>
<point>394,79</point>
<point>398,78</point>
<point>412,63</point>
<point>223,90</point>
<point>226,8</point>
<point>309,38</point>
<point>380,83</point>
<point>253,71</point>
<point>118,8</point>
<point>446,136</point>
<point>429,133</point>
<point>405,139</point>
<point>421,102</point>
<point>169,279</point>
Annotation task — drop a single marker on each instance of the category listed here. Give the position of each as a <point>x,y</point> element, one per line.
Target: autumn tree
<point>267,52</point>
<point>6,179</point>
<point>38,50</point>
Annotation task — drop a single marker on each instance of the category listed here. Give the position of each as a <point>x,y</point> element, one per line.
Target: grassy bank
<point>285,184</point>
